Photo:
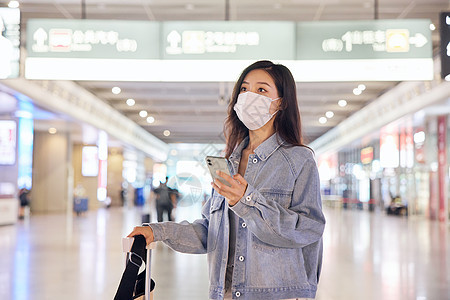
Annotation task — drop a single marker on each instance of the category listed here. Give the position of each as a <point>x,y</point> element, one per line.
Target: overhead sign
<point>387,50</point>
<point>102,39</point>
<point>444,31</point>
<point>9,42</point>
<point>228,40</point>
<point>366,50</point>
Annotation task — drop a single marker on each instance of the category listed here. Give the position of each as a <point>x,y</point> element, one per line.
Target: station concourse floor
<point>367,255</point>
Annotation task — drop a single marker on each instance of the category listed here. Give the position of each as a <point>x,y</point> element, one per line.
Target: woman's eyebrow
<point>260,82</point>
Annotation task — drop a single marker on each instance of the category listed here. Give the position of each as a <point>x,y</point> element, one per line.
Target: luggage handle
<point>127,242</point>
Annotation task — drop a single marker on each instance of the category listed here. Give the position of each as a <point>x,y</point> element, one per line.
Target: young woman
<point>263,234</point>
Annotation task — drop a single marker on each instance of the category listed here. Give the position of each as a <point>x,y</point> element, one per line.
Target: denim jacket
<point>278,251</point>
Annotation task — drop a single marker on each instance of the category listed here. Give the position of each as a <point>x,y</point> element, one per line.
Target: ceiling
<point>193,112</point>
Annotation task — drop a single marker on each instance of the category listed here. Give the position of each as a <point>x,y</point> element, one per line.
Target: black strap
<point>138,255</point>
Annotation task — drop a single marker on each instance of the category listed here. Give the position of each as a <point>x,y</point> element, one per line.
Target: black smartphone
<point>215,163</point>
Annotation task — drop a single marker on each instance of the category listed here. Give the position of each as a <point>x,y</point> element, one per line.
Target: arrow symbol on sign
<point>174,38</point>
<point>419,40</point>
<point>40,36</point>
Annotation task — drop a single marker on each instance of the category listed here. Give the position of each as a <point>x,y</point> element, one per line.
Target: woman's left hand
<point>234,192</point>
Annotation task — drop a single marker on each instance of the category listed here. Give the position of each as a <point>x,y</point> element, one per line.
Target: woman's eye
<point>261,90</point>
<point>243,89</point>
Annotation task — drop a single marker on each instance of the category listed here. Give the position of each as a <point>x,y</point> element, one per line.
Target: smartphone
<point>215,163</point>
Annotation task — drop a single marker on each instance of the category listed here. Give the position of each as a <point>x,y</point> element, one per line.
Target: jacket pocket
<point>259,245</point>
<point>215,220</point>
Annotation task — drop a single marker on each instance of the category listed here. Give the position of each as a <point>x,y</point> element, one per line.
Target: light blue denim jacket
<point>279,237</point>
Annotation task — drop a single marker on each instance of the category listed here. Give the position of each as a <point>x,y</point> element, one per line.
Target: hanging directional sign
<point>228,40</point>
<point>368,50</point>
<point>445,45</point>
<point>92,39</point>
<point>384,50</point>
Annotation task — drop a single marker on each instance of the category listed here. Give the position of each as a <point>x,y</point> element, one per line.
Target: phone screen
<point>215,163</point>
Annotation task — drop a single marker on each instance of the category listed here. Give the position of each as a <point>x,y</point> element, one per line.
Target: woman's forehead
<point>259,75</point>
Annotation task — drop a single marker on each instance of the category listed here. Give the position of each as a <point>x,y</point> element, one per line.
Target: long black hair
<point>287,121</point>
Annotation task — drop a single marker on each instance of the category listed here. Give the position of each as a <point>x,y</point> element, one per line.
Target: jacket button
<point>248,198</point>
<point>255,160</point>
<point>241,258</point>
<point>244,225</point>
<point>238,294</point>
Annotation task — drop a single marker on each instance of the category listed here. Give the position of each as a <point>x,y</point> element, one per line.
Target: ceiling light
<point>166,132</point>
<point>13,4</point>
<point>52,130</point>
<point>173,152</point>
<point>131,102</point>
<point>322,120</point>
<point>432,27</point>
<point>329,114</point>
<point>116,90</point>
<point>362,87</point>
<point>150,120</point>
<point>143,113</point>
<point>357,91</point>
<point>342,103</point>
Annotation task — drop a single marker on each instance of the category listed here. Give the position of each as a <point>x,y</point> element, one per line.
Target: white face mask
<point>254,109</point>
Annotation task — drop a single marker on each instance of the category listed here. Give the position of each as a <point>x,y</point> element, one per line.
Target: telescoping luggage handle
<point>127,243</point>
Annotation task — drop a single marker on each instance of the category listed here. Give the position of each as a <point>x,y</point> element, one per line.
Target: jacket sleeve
<point>185,237</point>
<point>297,226</point>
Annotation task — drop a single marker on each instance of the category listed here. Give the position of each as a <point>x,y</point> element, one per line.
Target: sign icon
<point>397,40</point>
<point>40,36</point>
<point>174,39</point>
<point>60,40</point>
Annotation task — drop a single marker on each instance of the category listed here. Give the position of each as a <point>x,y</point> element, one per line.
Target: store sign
<point>9,42</point>
<point>366,155</point>
<point>89,161</point>
<point>8,130</point>
<point>445,45</point>
<point>387,50</point>
<point>442,167</point>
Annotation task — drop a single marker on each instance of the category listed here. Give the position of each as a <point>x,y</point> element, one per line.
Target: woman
<point>263,235</point>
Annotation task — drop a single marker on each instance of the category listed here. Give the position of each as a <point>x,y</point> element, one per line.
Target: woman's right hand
<point>146,231</point>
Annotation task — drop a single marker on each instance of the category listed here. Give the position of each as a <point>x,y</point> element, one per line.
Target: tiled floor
<point>366,256</point>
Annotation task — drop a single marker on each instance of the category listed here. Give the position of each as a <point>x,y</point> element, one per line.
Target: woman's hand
<point>234,193</point>
<point>146,231</point>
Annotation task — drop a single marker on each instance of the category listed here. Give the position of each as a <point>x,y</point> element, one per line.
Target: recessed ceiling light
<point>143,113</point>
<point>13,4</point>
<point>173,152</point>
<point>342,103</point>
<point>150,120</point>
<point>166,132</point>
<point>432,27</point>
<point>362,87</point>
<point>357,91</point>
<point>52,130</point>
<point>329,114</point>
<point>131,102</point>
<point>322,120</point>
<point>116,90</point>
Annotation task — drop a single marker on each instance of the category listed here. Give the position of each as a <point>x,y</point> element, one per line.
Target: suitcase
<point>80,205</point>
<point>136,286</point>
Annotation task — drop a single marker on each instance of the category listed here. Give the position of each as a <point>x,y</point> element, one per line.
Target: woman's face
<point>260,82</point>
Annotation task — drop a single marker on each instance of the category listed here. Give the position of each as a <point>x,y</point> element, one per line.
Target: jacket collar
<point>263,151</point>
